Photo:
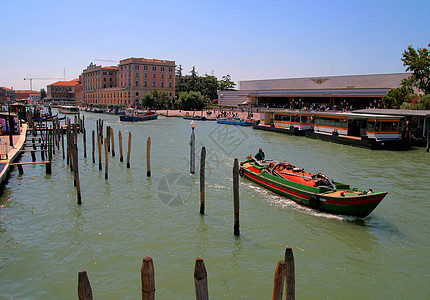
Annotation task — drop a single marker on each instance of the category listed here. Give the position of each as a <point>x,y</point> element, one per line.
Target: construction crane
<point>34,78</point>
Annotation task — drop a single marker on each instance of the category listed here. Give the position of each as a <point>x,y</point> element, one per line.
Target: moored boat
<point>132,115</point>
<point>236,121</point>
<point>68,109</point>
<point>316,191</point>
<point>187,116</point>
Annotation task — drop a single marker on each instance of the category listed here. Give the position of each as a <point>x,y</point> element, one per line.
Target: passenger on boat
<point>260,155</point>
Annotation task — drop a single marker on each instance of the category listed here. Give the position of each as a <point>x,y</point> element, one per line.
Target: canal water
<point>46,237</point>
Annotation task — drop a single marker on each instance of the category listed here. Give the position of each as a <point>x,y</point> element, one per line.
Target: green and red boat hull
<point>359,204</point>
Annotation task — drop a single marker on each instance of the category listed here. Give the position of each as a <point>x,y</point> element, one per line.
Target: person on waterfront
<point>260,155</point>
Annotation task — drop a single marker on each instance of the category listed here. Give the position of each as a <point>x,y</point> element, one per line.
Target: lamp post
<point>193,148</point>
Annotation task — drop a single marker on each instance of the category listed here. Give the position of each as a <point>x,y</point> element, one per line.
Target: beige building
<point>358,91</point>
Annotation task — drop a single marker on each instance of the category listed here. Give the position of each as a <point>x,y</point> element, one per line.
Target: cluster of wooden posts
<point>284,276</point>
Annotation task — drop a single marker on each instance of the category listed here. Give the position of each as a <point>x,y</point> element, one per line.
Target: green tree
<point>226,84</point>
<point>418,102</point>
<point>193,83</point>
<point>210,87</point>
<point>395,97</point>
<point>161,98</point>
<point>42,94</point>
<point>191,100</point>
<point>418,62</point>
<point>148,100</point>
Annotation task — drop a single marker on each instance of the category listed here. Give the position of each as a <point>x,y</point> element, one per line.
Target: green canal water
<point>46,238</point>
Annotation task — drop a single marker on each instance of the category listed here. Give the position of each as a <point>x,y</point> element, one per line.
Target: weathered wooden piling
<point>94,147</point>
<point>121,157</point>
<point>85,142</point>
<point>107,139</point>
<point>33,153</point>
<point>99,144</point>
<point>201,280</point>
<point>148,157</point>
<point>148,279</point>
<point>129,150</point>
<point>106,158</point>
<point>290,275</point>
<point>20,169</point>
<point>112,138</point>
<point>236,196</point>
<point>50,152</point>
<point>278,281</point>
<point>428,141</point>
<point>84,287</point>
<point>202,180</point>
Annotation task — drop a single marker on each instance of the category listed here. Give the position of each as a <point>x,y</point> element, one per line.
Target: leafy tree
<point>226,84</point>
<point>191,100</point>
<point>395,97</point>
<point>42,94</point>
<point>161,98</point>
<point>419,102</point>
<point>148,100</point>
<point>418,62</point>
<point>193,83</point>
<point>210,87</point>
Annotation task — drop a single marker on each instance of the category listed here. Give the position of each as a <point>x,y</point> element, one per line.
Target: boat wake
<point>286,203</point>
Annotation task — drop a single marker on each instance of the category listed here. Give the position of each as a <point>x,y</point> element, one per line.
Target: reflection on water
<point>46,237</point>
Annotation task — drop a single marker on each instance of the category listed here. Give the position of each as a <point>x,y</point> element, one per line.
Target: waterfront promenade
<point>12,151</point>
<point>212,116</point>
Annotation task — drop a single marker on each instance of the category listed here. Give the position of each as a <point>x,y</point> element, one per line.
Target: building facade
<point>357,91</point>
<point>65,91</point>
<point>128,82</point>
<point>7,95</point>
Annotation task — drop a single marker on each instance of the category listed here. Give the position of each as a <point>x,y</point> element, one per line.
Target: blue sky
<point>245,39</point>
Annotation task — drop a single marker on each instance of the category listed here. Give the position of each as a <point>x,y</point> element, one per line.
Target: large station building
<point>357,91</point>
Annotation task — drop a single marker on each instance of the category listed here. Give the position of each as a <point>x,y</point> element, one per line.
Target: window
<point>154,68</point>
<point>170,84</point>
<point>137,93</point>
<point>145,68</point>
<point>153,83</point>
<point>145,83</point>
<point>162,83</point>
<point>137,83</point>
<point>145,74</point>
<point>136,67</point>
<point>137,74</point>
<point>153,75</point>
<point>162,75</point>
<point>170,76</point>
<point>170,69</point>
<point>162,69</point>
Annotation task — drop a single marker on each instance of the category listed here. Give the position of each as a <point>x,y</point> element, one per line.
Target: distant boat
<point>236,121</point>
<point>132,115</point>
<point>187,116</point>
<point>67,109</point>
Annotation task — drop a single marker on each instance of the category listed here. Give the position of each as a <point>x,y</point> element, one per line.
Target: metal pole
<point>193,152</point>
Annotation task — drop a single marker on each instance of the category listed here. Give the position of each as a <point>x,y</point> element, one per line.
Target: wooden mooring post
<point>278,281</point>
<point>84,287</point>
<point>106,158</point>
<point>112,137</point>
<point>148,157</point>
<point>99,144</point>
<point>94,147</point>
<point>129,150</point>
<point>202,180</point>
<point>121,157</point>
<point>148,279</point>
<point>33,153</point>
<point>290,274</point>
<point>201,280</point>
<point>85,142</point>
<point>428,141</point>
<point>236,196</point>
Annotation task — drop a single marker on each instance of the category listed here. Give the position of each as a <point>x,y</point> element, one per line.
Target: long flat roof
<point>313,92</point>
<point>399,112</point>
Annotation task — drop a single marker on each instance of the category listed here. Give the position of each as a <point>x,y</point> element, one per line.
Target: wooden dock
<point>13,152</point>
